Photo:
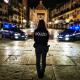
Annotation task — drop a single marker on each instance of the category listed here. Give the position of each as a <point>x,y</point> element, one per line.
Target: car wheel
<point>0,36</point>
<point>11,37</point>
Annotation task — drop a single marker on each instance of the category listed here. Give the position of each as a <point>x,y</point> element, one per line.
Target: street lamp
<point>56,21</point>
<point>24,21</point>
<point>6,1</point>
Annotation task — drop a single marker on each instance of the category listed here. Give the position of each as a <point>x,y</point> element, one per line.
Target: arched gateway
<point>40,12</point>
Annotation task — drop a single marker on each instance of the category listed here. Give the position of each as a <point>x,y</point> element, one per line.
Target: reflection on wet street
<point>17,60</point>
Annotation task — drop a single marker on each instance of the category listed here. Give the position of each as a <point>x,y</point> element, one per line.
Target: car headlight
<point>67,35</point>
<point>67,38</point>
<point>73,34</point>
<point>17,34</point>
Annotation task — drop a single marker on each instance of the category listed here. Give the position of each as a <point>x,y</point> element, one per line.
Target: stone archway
<point>40,12</point>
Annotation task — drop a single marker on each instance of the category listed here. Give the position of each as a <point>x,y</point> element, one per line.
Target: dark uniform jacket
<point>41,38</point>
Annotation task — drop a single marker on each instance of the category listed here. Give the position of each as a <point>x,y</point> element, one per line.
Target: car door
<point>77,36</point>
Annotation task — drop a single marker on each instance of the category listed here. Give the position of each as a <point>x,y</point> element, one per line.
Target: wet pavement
<point>17,61</point>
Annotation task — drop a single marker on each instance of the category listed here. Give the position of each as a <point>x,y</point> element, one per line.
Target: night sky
<point>48,3</point>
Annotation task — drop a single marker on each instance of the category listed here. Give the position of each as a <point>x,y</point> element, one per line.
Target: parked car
<point>11,31</point>
<point>69,35</point>
<point>77,35</point>
<point>14,33</point>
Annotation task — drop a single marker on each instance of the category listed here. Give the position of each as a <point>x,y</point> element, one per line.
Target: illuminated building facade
<point>3,12</point>
<point>16,9</point>
<point>69,11</point>
<point>19,12</point>
<point>13,11</point>
<point>40,12</point>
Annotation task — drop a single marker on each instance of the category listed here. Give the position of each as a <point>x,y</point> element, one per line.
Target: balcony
<point>15,9</point>
<point>65,8</point>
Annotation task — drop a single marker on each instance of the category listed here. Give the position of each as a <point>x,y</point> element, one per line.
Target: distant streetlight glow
<point>24,21</point>
<point>57,21</point>
<point>6,1</point>
<point>24,8</point>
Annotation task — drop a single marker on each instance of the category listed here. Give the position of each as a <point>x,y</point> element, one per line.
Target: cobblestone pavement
<point>17,61</point>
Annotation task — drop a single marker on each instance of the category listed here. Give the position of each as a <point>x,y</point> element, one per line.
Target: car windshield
<point>69,31</point>
<point>16,30</point>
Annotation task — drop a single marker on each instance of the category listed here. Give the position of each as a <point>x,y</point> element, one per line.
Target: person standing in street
<point>41,37</point>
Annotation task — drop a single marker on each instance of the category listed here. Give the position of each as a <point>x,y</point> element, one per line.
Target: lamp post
<point>6,1</point>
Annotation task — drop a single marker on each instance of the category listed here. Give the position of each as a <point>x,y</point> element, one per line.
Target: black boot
<point>40,75</point>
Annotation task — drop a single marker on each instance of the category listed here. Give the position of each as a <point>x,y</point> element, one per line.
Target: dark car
<point>11,31</point>
<point>14,33</point>
<point>69,35</point>
<point>77,35</point>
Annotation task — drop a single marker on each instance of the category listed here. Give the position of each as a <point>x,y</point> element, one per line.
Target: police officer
<point>41,37</point>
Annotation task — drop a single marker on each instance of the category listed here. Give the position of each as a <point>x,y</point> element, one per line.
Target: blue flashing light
<point>8,25</point>
<point>70,27</point>
<point>75,27</point>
